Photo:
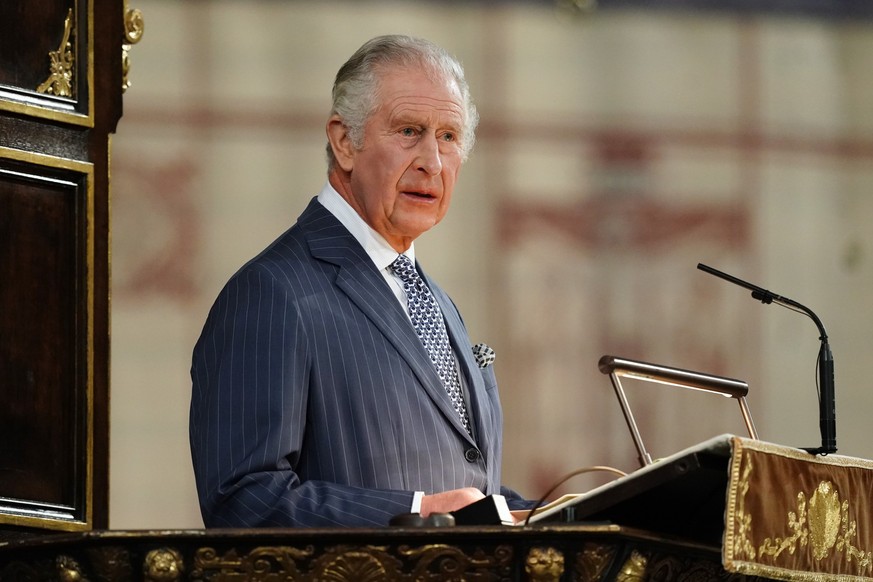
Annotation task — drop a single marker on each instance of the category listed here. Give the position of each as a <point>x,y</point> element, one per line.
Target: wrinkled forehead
<point>409,85</point>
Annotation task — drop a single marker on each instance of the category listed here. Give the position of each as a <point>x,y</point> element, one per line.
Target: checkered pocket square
<point>484,355</point>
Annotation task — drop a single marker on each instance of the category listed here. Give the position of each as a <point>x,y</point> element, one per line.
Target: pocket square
<point>484,355</point>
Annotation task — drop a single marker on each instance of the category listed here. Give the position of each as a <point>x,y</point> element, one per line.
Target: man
<point>316,400</point>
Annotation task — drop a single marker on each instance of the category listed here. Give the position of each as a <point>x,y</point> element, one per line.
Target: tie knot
<point>403,268</point>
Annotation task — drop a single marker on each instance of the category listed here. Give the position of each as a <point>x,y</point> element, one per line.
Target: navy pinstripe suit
<point>314,402</point>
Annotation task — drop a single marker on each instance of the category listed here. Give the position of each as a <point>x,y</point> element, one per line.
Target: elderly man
<point>334,382</point>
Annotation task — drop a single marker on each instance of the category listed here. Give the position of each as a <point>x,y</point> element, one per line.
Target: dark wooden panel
<point>30,31</point>
<point>54,262</point>
<point>45,339</point>
<point>45,53</point>
<point>31,135</point>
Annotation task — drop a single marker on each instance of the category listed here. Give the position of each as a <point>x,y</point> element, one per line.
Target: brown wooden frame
<point>54,260</point>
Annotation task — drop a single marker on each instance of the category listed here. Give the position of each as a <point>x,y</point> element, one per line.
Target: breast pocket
<point>489,377</point>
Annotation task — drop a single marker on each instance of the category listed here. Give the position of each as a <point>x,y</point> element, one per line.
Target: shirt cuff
<point>416,502</point>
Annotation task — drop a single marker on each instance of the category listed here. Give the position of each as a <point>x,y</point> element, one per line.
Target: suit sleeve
<point>251,379</point>
<point>514,500</point>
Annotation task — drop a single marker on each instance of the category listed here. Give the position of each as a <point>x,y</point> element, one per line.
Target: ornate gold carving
<point>134,27</point>
<point>60,81</point>
<point>544,564</point>
<point>68,569</point>
<point>259,561</point>
<point>592,561</point>
<point>634,568</point>
<point>429,563</point>
<point>438,562</point>
<point>350,564</point>
<point>163,564</point>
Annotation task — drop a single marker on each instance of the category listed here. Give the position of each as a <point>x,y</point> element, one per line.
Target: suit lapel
<point>365,286</point>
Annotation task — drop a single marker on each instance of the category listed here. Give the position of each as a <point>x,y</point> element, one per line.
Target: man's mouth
<point>424,195</point>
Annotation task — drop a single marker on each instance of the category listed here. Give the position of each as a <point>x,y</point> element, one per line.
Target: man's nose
<point>429,159</point>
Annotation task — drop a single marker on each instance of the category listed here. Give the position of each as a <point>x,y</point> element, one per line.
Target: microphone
<point>826,403</point>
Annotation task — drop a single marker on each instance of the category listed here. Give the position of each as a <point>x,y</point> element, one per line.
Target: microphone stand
<point>826,400</point>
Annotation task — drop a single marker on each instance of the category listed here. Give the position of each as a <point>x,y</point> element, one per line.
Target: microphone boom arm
<point>827,406</point>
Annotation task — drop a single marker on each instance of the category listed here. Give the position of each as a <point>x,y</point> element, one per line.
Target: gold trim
<point>821,521</point>
<point>61,81</point>
<point>85,169</point>
<point>738,541</point>
<point>134,27</point>
<point>593,560</point>
<point>68,568</point>
<point>800,454</point>
<point>544,564</point>
<point>163,565</point>
<point>634,568</point>
<point>17,100</point>
<point>358,563</point>
<point>91,64</point>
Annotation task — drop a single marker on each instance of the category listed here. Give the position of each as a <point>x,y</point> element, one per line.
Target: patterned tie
<point>427,319</point>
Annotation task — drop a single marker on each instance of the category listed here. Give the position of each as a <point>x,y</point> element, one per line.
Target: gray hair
<point>355,90</point>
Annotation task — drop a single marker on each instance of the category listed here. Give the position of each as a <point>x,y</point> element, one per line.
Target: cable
<point>565,478</point>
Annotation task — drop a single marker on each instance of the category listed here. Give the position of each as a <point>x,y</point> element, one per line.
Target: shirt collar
<point>375,245</point>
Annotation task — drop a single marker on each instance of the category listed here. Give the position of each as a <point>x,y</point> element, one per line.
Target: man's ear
<point>340,143</point>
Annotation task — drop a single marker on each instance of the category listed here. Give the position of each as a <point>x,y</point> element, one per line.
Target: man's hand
<point>448,501</point>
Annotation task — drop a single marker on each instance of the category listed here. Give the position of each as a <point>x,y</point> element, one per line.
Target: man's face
<point>401,180</point>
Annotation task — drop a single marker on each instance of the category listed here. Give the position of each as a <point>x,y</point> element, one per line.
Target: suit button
<point>472,455</point>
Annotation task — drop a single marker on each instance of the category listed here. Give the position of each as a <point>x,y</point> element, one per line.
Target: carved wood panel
<point>47,262</point>
<point>60,99</point>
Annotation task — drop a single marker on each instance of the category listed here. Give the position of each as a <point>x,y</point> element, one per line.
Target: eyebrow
<point>412,117</point>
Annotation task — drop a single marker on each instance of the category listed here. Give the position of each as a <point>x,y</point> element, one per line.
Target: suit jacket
<point>314,402</point>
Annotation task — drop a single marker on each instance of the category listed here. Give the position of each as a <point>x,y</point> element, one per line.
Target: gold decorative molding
<point>163,565</point>
<point>75,56</point>
<point>134,27</point>
<point>280,562</point>
<point>544,564</point>
<point>634,568</point>
<point>578,553</point>
<point>60,81</point>
<point>352,563</point>
<point>593,561</point>
<point>68,569</point>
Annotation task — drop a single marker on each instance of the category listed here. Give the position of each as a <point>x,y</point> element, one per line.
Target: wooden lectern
<point>728,509</point>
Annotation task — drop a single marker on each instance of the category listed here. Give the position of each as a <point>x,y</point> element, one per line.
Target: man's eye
<point>448,136</point>
<point>408,132</point>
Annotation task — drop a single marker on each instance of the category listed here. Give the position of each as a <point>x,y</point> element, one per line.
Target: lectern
<point>775,512</point>
<point>730,508</point>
